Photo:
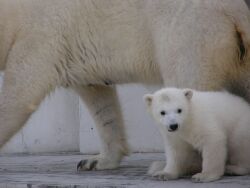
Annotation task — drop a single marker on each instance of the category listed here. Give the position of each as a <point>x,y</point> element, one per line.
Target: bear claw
<point>98,163</point>
<point>81,164</point>
<point>86,165</point>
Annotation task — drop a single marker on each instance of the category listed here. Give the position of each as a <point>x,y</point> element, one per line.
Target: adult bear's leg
<point>103,105</point>
<point>239,15</point>
<point>26,82</point>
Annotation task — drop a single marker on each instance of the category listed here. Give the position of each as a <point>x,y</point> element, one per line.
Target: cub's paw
<point>164,176</point>
<point>205,177</point>
<point>97,163</point>
<point>156,166</point>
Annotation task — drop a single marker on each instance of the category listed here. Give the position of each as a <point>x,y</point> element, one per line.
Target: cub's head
<point>170,107</point>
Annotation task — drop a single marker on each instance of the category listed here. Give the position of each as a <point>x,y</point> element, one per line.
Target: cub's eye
<point>163,113</point>
<point>179,111</point>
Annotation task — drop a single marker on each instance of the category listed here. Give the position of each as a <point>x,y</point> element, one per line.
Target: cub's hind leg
<point>236,170</point>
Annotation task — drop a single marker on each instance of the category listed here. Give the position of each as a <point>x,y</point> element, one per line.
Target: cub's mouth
<point>169,130</point>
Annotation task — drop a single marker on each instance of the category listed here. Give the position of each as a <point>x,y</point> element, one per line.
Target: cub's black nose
<point>173,127</point>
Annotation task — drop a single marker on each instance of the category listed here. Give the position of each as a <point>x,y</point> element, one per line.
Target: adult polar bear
<point>89,45</point>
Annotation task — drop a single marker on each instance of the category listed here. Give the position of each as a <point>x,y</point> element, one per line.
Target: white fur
<point>90,45</point>
<point>214,124</point>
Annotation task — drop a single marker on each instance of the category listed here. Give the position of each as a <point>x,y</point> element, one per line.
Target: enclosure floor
<point>59,170</point>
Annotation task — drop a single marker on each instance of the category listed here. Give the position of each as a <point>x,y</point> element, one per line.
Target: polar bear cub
<point>204,133</point>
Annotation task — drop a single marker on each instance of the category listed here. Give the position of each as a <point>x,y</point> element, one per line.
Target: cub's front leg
<point>213,159</point>
<point>178,164</point>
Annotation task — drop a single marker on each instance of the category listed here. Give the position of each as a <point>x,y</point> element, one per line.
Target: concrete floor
<point>59,170</point>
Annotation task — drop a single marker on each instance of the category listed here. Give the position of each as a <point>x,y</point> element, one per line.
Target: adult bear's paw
<point>97,163</point>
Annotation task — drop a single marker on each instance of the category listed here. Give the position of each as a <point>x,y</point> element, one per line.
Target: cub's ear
<point>148,98</point>
<point>188,94</point>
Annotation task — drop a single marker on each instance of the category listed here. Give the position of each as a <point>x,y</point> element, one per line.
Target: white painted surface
<point>53,127</point>
<point>141,130</point>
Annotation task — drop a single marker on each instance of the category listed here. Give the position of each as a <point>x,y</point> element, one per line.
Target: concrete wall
<point>53,127</point>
